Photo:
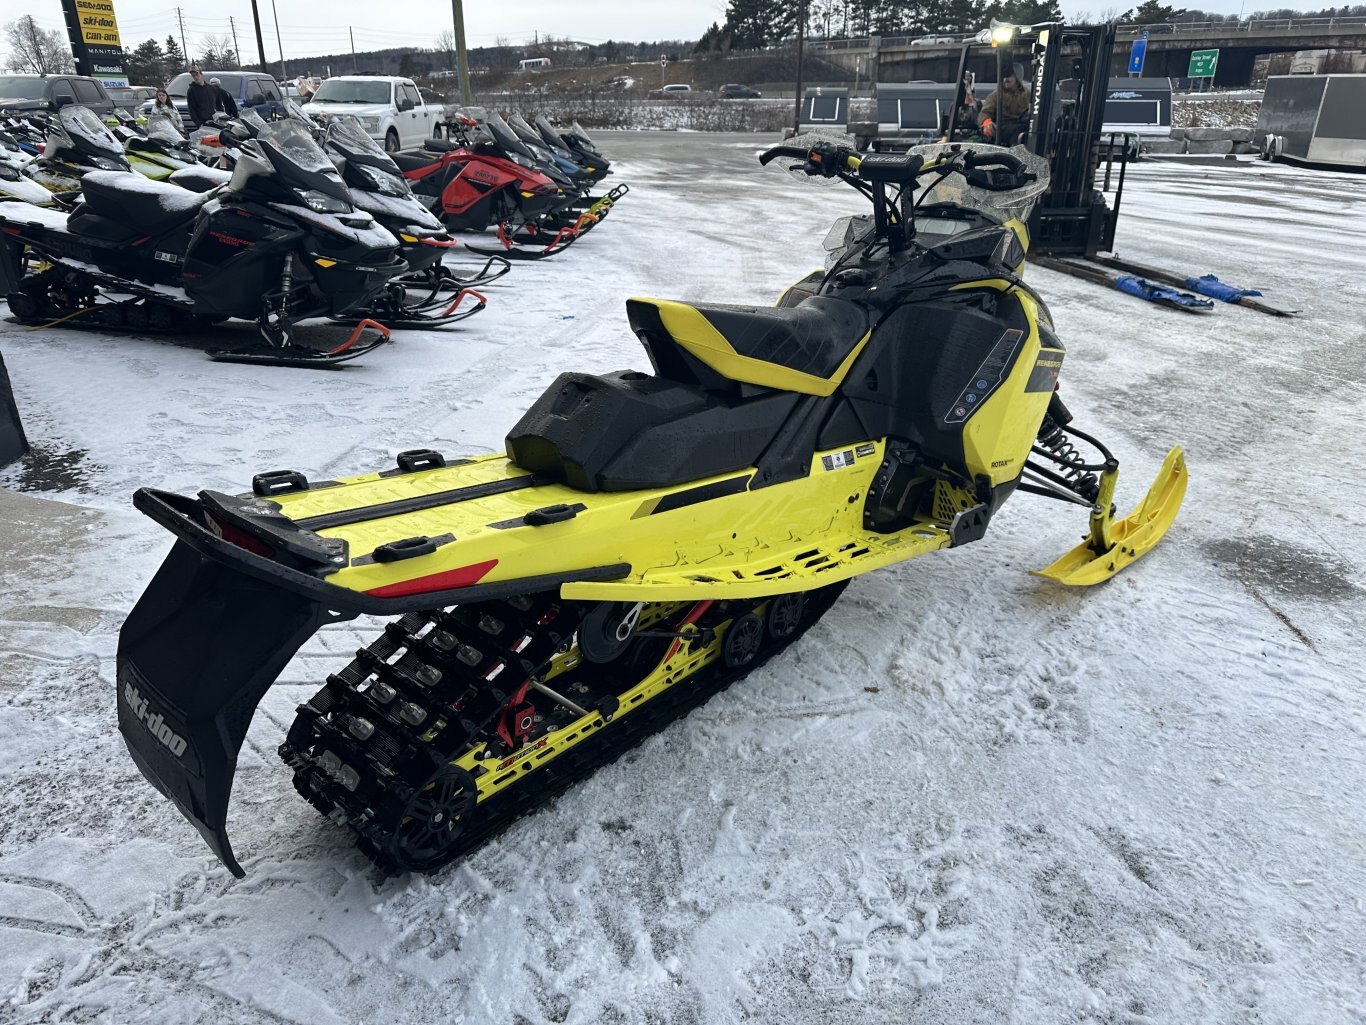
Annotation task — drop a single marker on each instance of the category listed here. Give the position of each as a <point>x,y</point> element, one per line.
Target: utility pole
<point>352,33</point>
<point>260,43</point>
<point>801,46</point>
<point>466,93</point>
<point>183,48</point>
<point>235,51</point>
<point>284,75</point>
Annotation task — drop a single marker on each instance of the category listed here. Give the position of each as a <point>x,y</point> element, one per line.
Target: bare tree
<point>217,52</point>
<point>37,51</point>
<point>445,44</point>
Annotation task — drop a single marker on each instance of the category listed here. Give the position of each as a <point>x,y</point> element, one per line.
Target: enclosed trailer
<point>825,108</point>
<point>1314,119</point>
<point>918,110</point>
<point>1139,106</point>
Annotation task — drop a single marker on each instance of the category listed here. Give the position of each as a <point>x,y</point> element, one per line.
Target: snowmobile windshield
<point>254,121</point>
<point>502,132</point>
<point>955,190</point>
<point>297,113</point>
<point>163,130</point>
<point>548,134</point>
<point>576,130</point>
<point>292,141</point>
<point>347,133</point>
<point>90,135</point>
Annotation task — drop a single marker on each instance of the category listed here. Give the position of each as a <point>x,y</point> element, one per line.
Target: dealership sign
<point>94,34</point>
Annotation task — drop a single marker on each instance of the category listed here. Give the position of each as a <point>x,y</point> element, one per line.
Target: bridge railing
<point>1355,23</point>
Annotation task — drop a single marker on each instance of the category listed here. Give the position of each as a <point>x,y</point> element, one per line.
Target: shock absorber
<point>1054,444</point>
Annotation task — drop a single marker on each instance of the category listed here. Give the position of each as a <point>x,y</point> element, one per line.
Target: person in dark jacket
<point>200,97</point>
<point>222,100</point>
<point>1005,113</point>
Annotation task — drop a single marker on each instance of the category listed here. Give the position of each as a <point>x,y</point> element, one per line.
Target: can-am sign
<point>94,34</point>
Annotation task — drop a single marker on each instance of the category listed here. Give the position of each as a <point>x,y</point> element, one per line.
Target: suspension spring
<point>1054,444</point>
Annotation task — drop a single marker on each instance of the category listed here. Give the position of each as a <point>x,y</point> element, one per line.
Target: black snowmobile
<point>281,242</point>
<point>76,142</point>
<point>647,539</point>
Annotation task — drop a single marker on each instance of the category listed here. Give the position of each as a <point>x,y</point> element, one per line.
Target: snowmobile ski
<point>294,355</point>
<point>1207,285</point>
<point>528,244</point>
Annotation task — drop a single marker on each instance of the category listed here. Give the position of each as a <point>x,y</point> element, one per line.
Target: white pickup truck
<point>390,109</point>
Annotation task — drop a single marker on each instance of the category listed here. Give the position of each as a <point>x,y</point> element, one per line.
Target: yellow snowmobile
<point>647,539</point>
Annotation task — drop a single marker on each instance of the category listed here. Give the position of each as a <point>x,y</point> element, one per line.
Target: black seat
<point>412,161</point>
<point>805,348</point>
<point>149,206</point>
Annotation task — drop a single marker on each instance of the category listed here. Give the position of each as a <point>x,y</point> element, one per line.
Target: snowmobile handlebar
<point>995,172</point>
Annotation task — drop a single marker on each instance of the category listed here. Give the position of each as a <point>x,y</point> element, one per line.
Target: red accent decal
<point>465,576</point>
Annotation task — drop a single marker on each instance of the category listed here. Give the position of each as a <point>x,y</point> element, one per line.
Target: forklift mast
<point>1070,70</point>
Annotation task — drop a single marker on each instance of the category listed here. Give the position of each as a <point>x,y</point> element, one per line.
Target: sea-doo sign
<point>94,34</point>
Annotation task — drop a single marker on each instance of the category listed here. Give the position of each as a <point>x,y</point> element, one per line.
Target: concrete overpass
<point>905,58</point>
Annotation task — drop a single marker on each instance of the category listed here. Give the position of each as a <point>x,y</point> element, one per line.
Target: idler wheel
<point>785,615</point>
<point>433,821</point>
<point>743,640</point>
<point>607,630</point>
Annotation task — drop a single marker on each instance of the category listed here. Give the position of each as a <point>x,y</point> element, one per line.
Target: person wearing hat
<point>1005,113</point>
<point>200,97</point>
<point>222,101</point>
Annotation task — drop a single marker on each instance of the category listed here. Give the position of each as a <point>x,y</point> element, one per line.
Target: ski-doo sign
<point>93,32</point>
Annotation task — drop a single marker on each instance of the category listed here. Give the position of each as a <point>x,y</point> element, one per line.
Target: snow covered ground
<point>966,796</point>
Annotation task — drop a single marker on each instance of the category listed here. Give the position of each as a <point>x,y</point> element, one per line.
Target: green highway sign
<point>1203,63</point>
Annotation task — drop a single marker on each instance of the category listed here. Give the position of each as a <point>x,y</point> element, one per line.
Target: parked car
<point>248,89</point>
<point>443,110</point>
<point>390,110</point>
<point>672,92</point>
<point>736,91</point>
<point>130,97</point>
<point>48,92</point>
<point>934,40</point>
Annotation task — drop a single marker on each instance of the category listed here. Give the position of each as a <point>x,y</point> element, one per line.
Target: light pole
<point>279,45</point>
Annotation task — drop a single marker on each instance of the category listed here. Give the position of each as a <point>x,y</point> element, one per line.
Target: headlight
<point>370,124</point>
<point>322,202</point>
<point>383,182</point>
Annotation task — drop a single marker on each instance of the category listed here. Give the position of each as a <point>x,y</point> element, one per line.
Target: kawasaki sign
<point>94,34</point>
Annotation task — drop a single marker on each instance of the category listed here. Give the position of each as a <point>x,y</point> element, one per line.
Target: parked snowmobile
<point>590,209</point>
<point>279,243</point>
<point>646,540</point>
<point>429,294</point>
<point>14,184</point>
<point>579,148</point>
<point>77,142</point>
<point>160,152</point>
<point>471,191</point>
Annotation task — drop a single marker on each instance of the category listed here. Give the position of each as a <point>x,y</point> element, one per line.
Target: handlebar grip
<point>796,152</point>
<point>1007,160</point>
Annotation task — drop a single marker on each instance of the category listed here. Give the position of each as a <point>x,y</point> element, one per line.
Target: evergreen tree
<point>175,58</point>
<point>1025,12</point>
<point>146,64</point>
<point>714,40</point>
<point>1152,12</point>
<point>754,24</point>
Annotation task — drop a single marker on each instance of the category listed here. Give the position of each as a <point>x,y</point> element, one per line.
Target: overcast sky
<point>308,29</point>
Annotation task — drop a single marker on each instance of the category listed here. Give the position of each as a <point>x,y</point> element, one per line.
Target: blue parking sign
<point>1136,53</point>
